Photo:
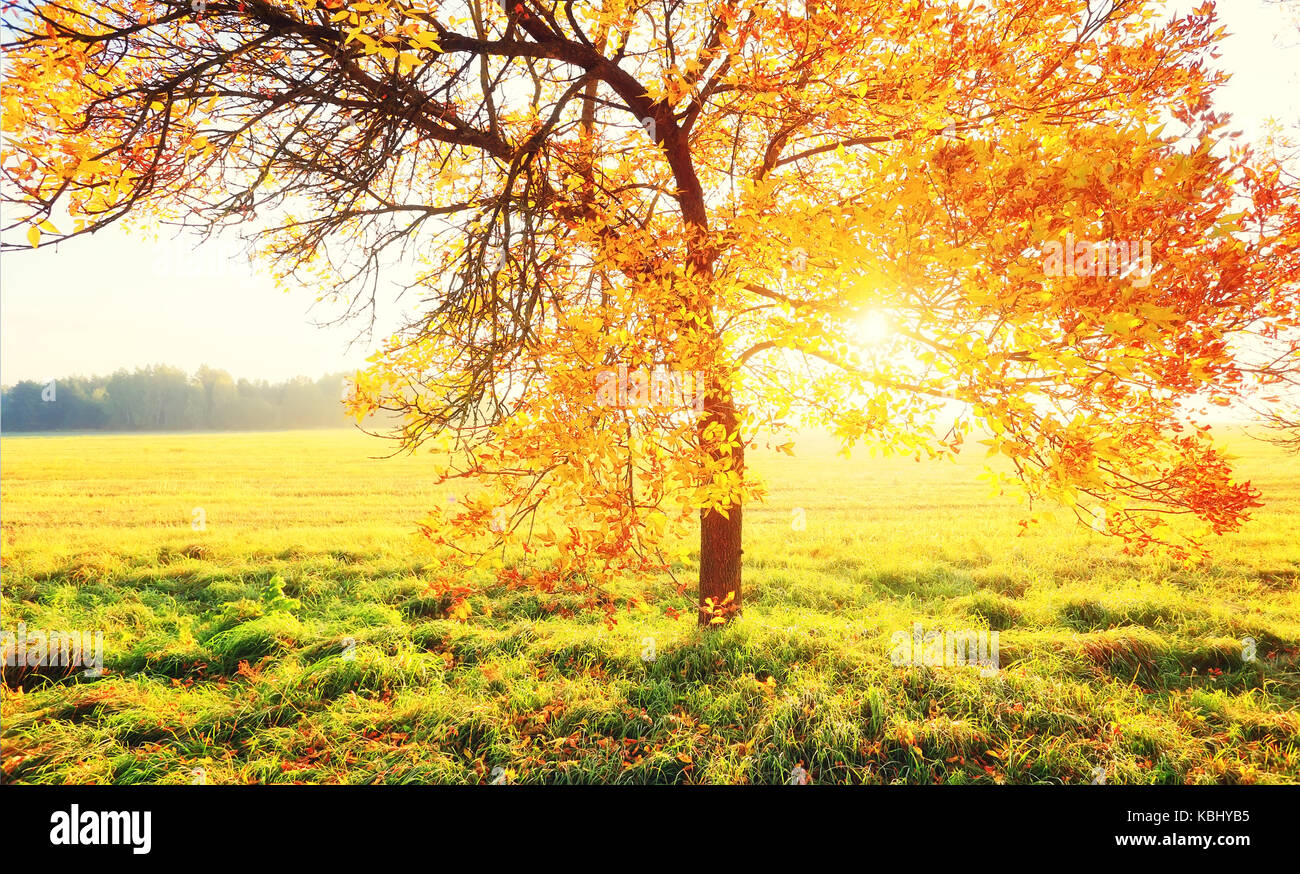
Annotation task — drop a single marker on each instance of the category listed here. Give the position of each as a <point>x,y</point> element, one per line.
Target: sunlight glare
<point>873,329</point>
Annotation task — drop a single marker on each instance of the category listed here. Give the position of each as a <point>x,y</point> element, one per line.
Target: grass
<point>294,639</point>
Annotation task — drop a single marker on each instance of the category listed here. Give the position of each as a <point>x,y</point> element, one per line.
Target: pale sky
<point>95,304</point>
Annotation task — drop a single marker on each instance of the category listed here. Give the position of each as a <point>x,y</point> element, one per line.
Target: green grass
<point>1109,661</point>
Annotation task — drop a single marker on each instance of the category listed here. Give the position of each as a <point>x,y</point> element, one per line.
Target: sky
<point>114,300</point>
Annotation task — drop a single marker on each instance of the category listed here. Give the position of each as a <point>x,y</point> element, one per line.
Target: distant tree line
<point>161,398</point>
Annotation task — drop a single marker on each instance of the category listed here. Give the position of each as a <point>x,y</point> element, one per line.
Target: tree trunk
<point>720,536</point>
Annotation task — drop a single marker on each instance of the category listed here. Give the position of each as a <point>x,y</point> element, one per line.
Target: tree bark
<point>720,535</point>
<point>720,550</point>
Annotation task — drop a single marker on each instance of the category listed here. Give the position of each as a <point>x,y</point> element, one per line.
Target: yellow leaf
<point>34,236</point>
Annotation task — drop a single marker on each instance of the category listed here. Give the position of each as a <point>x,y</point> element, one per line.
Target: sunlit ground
<point>1109,665</point>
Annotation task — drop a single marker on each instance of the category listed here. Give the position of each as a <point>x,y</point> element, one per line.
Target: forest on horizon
<point>163,398</point>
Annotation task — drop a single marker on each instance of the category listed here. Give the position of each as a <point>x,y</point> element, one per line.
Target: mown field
<point>294,637</point>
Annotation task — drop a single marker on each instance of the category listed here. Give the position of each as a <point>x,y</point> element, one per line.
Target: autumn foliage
<point>839,213</point>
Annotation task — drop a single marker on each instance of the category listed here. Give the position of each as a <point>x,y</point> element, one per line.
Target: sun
<point>873,329</point>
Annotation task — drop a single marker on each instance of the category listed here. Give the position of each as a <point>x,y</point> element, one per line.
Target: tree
<point>1283,429</point>
<point>851,213</point>
<point>24,409</point>
<point>219,396</point>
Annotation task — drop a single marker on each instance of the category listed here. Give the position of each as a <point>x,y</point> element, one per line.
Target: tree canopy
<point>900,219</point>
